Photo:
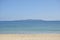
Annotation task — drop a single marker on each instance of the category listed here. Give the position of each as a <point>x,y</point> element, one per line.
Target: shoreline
<point>29,36</point>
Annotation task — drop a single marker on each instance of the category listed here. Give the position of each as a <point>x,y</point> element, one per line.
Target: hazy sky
<point>29,9</point>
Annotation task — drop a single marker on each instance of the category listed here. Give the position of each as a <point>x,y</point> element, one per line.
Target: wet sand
<point>29,36</point>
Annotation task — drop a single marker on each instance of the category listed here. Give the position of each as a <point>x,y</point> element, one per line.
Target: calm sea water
<point>22,27</point>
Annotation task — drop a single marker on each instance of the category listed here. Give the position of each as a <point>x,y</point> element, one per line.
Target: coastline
<point>29,36</point>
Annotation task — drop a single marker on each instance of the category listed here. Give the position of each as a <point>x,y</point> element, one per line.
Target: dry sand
<point>29,36</point>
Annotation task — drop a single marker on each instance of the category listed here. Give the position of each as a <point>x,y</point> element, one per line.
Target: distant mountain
<point>30,20</point>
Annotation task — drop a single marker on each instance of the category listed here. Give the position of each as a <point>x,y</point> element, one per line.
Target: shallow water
<point>29,27</point>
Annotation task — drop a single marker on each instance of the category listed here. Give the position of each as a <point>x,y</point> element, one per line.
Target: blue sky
<point>29,9</point>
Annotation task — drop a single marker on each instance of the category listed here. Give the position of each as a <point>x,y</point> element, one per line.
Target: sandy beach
<point>29,36</point>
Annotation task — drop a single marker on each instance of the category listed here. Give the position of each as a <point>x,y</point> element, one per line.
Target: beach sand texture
<point>29,36</point>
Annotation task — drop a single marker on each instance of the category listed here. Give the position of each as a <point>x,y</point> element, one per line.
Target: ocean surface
<point>29,27</point>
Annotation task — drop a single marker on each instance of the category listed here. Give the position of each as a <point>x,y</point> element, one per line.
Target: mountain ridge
<point>32,20</point>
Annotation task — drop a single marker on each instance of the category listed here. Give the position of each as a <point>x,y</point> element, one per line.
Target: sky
<point>29,9</point>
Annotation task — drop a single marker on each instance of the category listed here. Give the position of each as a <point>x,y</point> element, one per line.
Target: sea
<point>29,27</point>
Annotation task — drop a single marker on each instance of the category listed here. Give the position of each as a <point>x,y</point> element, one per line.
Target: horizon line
<point>30,19</point>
